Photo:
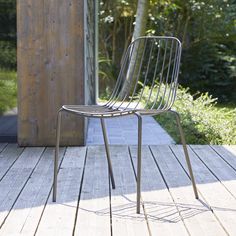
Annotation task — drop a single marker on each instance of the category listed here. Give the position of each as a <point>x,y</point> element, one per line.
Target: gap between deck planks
<point>212,190</point>
<point>14,181</point>
<point>87,206</point>
<point>29,206</point>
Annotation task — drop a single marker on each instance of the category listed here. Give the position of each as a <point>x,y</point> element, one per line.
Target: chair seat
<point>105,112</point>
<point>97,110</point>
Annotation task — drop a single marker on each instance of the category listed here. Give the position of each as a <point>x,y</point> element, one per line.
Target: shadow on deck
<point>8,128</point>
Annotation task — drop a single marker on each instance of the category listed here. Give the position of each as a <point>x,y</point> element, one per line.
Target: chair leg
<point>58,129</point>
<point>186,153</point>
<point>108,153</point>
<point>139,154</point>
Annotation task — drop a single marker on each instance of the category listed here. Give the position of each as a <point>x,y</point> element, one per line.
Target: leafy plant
<point>8,90</point>
<point>206,29</point>
<point>8,34</point>
<point>202,121</point>
<point>107,79</point>
<point>7,55</point>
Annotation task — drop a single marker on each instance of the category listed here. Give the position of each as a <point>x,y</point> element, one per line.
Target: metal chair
<point>149,61</point>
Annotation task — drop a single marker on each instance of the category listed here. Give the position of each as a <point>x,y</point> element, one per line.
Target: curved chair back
<point>151,61</point>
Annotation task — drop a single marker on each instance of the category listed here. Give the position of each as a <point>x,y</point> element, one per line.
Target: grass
<point>8,90</point>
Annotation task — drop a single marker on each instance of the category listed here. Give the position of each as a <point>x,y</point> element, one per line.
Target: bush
<point>203,122</point>
<point>8,90</point>
<point>7,55</point>
<point>210,67</point>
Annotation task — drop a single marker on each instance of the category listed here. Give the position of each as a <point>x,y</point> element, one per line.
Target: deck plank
<point>232,148</point>
<point>198,219</point>
<point>159,206</point>
<point>125,221</point>
<point>30,204</point>
<point>25,191</point>
<point>59,217</point>
<point>224,172</point>
<point>16,178</point>
<point>227,153</point>
<point>213,192</point>
<point>2,146</point>
<point>94,205</point>
<point>8,156</point>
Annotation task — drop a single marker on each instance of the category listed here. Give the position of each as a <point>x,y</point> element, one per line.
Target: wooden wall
<point>91,36</point>
<point>51,68</point>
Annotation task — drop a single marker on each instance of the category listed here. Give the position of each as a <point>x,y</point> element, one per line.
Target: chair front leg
<point>139,162</point>
<point>108,153</point>
<point>186,153</point>
<point>58,131</point>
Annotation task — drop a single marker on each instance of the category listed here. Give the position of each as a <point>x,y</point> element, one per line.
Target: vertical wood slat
<point>50,69</point>
<point>90,24</point>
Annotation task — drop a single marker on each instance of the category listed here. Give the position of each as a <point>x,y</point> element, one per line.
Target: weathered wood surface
<point>50,69</point>
<point>159,204</point>
<point>217,195</point>
<point>94,216</point>
<point>86,204</point>
<point>197,217</point>
<point>32,198</point>
<point>15,179</point>
<point>59,217</point>
<point>125,221</point>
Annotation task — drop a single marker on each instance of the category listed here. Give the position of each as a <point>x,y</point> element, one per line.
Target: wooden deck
<point>87,205</point>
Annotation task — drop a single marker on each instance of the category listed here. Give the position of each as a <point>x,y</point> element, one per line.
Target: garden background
<point>206,99</point>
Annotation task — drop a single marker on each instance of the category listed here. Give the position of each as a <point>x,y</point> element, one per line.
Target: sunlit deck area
<point>86,204</point>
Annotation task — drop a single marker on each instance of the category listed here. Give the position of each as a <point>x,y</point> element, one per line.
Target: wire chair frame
<point>155,68</point>
<point>151,61</point>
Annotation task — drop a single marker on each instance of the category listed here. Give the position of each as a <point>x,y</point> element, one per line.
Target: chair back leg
<point>107,153</point>
<point>139,154</point>
<point>186,153</point>
<point>58,131</point>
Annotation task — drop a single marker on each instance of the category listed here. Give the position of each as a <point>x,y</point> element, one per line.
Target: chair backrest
<point>151,61</point>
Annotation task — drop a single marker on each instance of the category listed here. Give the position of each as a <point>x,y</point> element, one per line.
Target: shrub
<point>7,55</point>
<point>203,122</point>
<point>8,90</point>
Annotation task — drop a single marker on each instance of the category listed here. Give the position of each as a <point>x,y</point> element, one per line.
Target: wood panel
<point>8,157</point>
<point>93,216</point>
<point>212,191</point>
<point>226,175</point>
<point>29,206</point>
<point>125,220</point>
<point>90,51</point>
<point>159,206</point>
<point>198,218</point>
<point>87,206</point>
<point>16,178</point>
<point>59,217</point>
<point>50,69</point>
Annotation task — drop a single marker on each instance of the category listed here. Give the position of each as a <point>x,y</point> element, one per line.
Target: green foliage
<point>207,30</point>
<point>8,34</point>
<point>205,27</point>
<point>115,32</point>
<point>106,76</point>
<point>202,121</point>
<point>208,66</point>
<point>8,90</point>
<point>8,20</point>
<point>7,55</point>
